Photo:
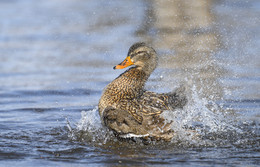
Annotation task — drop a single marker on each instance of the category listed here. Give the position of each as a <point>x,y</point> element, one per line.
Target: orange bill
<point>127,62</point>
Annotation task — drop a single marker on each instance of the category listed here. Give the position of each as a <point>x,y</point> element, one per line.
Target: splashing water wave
<point>196,125</point>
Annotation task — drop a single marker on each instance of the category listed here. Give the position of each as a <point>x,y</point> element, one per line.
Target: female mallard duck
<point>128,109</point>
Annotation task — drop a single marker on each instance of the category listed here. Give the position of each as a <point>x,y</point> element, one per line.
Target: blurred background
<point>56,57</point>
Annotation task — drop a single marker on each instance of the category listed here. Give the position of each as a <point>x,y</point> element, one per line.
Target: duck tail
<point>177,98</point>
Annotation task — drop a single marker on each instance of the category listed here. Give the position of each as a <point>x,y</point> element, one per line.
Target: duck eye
<point>143,53</point>
<point>139,52</point>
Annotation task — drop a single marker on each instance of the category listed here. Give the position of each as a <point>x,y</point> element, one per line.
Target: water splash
<point>196,121</point>
<point>90,121</point>
<point>89,129</point>
<point>197,125</point>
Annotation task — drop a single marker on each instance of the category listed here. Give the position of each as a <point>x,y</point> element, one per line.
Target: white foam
<point>130,135</point>
<point>90,121</point>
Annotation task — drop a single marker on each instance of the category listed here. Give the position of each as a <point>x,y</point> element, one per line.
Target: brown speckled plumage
<point>127,108</point>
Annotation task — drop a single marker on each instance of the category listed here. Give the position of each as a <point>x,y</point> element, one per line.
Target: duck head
<point>142,56</point>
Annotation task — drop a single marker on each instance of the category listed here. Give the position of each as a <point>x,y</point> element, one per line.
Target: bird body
<point>127,109</point>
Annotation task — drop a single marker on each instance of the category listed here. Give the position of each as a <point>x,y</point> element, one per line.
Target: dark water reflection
<point>57,56</point>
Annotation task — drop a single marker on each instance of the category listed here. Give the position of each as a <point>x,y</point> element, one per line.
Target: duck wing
<point>155,103</point>
<point>122,123</point>
<point>151,103</point>
<point>177,98</point>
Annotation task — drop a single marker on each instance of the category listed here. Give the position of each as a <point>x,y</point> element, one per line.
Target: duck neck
<point>137,75</point>
<point>147,69</point>
<point>135,78</point>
